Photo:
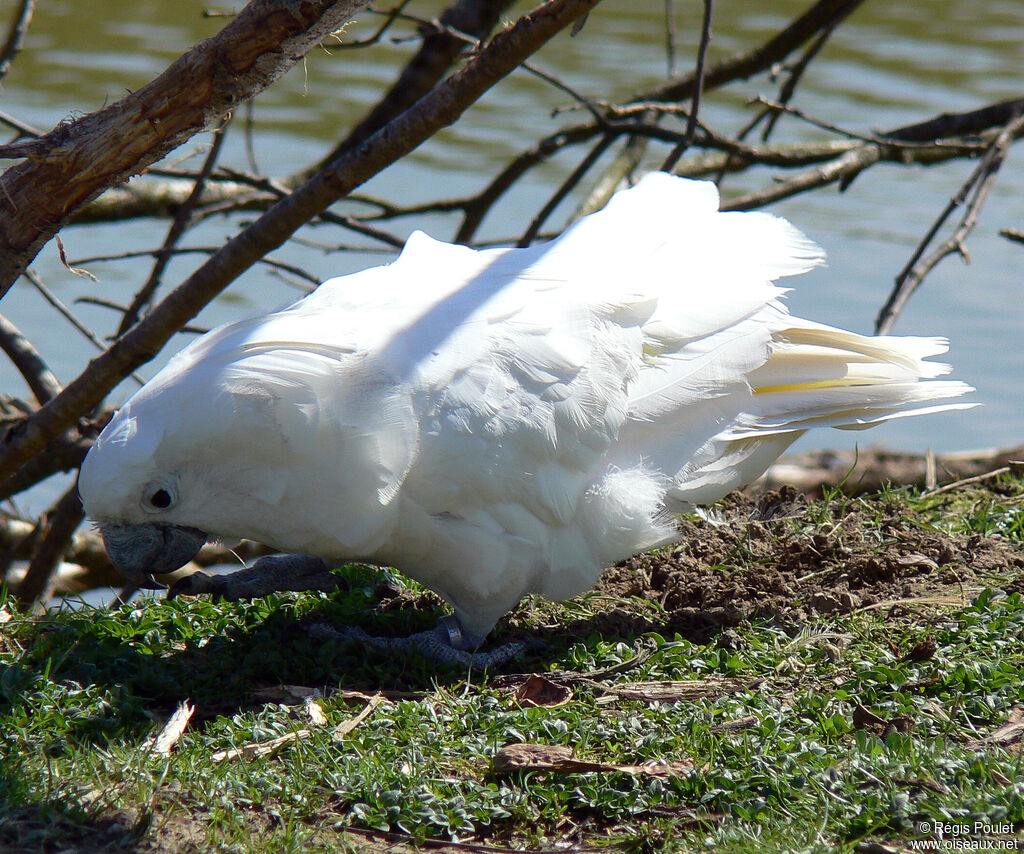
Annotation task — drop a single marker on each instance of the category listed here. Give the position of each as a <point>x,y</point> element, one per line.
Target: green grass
<point>782,755</point>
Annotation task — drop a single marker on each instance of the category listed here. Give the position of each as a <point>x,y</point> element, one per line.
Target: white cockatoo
<point>499,422</point>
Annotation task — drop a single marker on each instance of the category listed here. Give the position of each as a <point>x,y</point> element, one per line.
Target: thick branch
<point>62,455</point>
<point>152,197</point>
<point>27,360</point>
<point>76,161</point>
<point>959,124</point>
<point>852,162</point>
<point>60,528</point>
<point>438,109</point>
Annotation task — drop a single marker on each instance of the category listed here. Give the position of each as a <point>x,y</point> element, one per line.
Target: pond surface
<point>891,64</point>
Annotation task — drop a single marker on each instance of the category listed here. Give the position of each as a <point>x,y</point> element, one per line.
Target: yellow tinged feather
<point>833,383</point>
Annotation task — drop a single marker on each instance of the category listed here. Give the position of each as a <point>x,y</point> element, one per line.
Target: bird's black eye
<point>161,499</point>
<point>159,495</point>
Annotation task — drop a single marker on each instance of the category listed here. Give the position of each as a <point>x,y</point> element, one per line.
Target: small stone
<point>824,603</point>
<point>729,639</point>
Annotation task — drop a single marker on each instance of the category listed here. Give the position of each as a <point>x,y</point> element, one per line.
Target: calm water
<point>893,63</point>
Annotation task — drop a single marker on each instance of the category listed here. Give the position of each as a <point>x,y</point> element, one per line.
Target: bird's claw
<point>437,644</point>
<point>451,631</point>
<point>199,583</point>
<point>269,574</point>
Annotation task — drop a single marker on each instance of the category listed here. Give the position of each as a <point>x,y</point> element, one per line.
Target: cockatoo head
<point>240,439</point>
<point>139,504</point>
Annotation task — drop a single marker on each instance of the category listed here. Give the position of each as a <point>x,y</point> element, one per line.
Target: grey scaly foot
<point>269,574</point>
<point>445,644</point>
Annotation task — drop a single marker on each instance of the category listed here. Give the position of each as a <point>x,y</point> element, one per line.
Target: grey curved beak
<point>140,551</point>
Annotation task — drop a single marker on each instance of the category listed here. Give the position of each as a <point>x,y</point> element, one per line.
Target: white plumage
<point>507,421</point>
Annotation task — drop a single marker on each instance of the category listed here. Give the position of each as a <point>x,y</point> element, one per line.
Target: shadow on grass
<point>88,679</point>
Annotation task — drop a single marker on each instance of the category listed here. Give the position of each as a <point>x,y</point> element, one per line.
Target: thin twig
<point>566,187</point>
<point>120,309</point>
<point>562,86</point>
<point>670,37</point>
<point>622,166</point>
<point>69,316</point>
<point>698,90</point>
<point>796,74</point>
<point>267,261</point>
<point>979,182</point>
<point>967,481</point>
<point>250,142</point>
<point>779,108</point>
<point>460,27</point>
<point>15,35</point>
<point>390,17</point>
<point>18,125</point>
<point>743,65</point>
<point>359,227</point>
<point>178,227</point>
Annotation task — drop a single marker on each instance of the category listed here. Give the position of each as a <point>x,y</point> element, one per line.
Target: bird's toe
<point>198,584</point>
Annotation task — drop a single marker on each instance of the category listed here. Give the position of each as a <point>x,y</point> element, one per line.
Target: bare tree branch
<point>1014,235</point>
<point>796,73</point>
<point>739,66</point>
<point>62,455</point>
<point>61,523</point>
<point>15,35</point>
<point>147,197</point>
<point>959,124</point>
<point>23,130</point>
<point>72,164</point>
<point>621,167</point>
<point>566,187</point>
<point>746,64</point>
<point>30,364</point>
<point>69,316</point>
<point>980,181</point>
<point>439,108</point>
<point>853,160</point>
<point>698,89</point>
<point>432,61</point>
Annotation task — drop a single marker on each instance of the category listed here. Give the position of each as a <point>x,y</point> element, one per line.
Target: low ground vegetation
<point>799,674</point>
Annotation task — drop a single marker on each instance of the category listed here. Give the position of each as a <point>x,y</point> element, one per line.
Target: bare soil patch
<point>764,559</point>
